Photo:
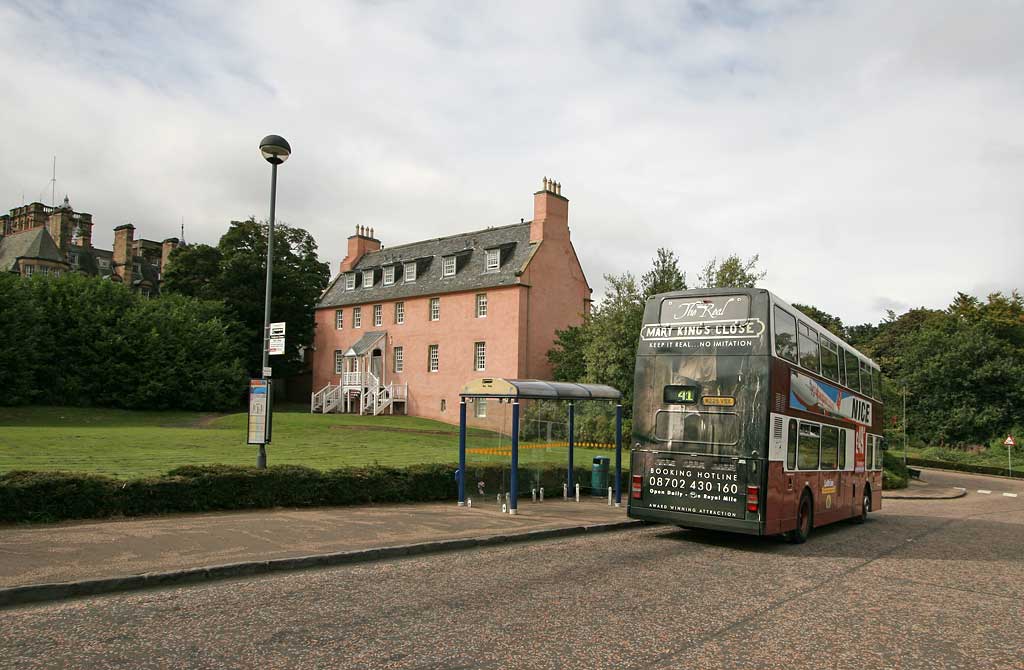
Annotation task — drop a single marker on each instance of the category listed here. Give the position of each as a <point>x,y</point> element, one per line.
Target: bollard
<point>542,494</point>
<point>565,491</point>
<point>577,491</point>
<point>499,500</point>
<point>609,496</point>
<point>469,502</point>
<point>533,494</point>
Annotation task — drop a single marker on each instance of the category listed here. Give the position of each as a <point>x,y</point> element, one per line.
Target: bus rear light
<point>637,485</point>
<point>752,498</point>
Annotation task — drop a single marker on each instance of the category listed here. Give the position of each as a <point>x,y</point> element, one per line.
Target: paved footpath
<point>40,562</point>
<point>76,551</point>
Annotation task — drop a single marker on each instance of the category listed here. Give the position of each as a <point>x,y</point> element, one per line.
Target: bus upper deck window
<point>809,357</point>
<point>865,380</point>
<point>785,335</point>
<point>852,373</point>
<point>829,359</point>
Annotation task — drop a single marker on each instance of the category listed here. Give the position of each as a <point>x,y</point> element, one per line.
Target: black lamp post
<point>275,150</point>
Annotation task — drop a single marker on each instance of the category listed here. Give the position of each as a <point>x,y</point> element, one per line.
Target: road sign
<point>276,347</point>
<point>1009,441</point>
<point>277,329</point>
<point>268,372</point>
<point>258,431</point>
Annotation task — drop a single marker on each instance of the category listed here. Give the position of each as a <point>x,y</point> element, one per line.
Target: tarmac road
<point>924,584</point>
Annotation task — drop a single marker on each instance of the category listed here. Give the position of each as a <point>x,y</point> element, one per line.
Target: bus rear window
<point>699,429</point>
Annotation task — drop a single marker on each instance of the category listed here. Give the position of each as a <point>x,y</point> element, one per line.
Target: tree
<point>965,381</point>
<point>21,353</point>
<point>184,354</point>
<point>612,335</point>
<point>90,341</point>
<point>235,272</point>
<point>733,272</point>
<point>566,356</point>
<point>664,275</point>
<point>190,269</point>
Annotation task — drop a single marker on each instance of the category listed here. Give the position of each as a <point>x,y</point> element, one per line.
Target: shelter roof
<point>536,389</point>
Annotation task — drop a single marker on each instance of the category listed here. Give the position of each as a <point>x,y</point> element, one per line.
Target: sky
<point>871,153</point>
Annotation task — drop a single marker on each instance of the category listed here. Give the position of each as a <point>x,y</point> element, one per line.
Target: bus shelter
<point>514,390</point>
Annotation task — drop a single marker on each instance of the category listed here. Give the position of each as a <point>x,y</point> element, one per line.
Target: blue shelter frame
<point>514,390</point>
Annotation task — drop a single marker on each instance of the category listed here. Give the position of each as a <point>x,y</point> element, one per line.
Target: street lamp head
<point>275,149</point>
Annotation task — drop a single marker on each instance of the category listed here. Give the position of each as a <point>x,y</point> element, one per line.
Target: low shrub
<point>966,467</point>
<point>56,496</point>
<point>895,474</point>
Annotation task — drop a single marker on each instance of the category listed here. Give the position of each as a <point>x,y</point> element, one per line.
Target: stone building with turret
<point>36,238</point>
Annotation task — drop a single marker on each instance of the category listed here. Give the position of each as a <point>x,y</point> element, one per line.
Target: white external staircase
<point>360,393</point>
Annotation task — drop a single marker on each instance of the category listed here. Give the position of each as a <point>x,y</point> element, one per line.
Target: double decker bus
<point>750,417</point>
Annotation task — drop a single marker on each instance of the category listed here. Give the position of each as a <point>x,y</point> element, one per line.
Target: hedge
<point>966,467</point>
<point>56,496</point>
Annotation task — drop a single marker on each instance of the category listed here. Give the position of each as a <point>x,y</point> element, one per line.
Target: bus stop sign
<point>259,412</point>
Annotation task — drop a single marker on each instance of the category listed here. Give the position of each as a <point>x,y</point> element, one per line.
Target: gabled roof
<point>33,243</point>
<point>512,242</point>
<point>365,343</point>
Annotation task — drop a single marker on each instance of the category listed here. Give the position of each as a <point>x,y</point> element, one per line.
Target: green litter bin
<point>599,475</point>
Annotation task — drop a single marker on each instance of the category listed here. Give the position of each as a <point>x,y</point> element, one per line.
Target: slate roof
<point>37,243</point>
<point>512,241</point>
<point>34,243</point>
<point>365,342</point>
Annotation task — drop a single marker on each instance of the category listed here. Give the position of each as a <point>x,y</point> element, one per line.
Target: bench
<point>914,473</point>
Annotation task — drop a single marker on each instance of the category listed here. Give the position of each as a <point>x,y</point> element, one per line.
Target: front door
<point>377,364</point>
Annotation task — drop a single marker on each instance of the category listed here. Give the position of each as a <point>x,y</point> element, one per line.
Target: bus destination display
<point>697,485</point>
<point>680,395</point>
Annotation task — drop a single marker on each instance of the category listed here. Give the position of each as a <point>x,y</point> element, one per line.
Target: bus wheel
<point>865,507</point>
<point>804,521</point>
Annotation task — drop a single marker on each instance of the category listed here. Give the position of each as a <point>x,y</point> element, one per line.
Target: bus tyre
<point>865,507</point>
<point>804,521</point>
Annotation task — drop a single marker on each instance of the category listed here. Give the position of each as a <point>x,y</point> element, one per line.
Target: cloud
<point>862,150</point>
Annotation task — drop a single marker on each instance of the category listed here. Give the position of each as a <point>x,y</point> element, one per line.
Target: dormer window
<point>410,272</point>
<point>492,260</point>
<point>350,281</point>
<point>367,278</point>
<point>389,275</point>
<point>448,266</point>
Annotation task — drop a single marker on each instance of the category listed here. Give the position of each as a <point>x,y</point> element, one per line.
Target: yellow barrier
<point>506,451</point>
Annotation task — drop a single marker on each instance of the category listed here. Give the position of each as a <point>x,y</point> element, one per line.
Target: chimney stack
<point>550,212</point>
<point>360,244</point>
<point>84,235</point>
<point>61,226</point>
<point>123,248</point>
<point>166,247</point>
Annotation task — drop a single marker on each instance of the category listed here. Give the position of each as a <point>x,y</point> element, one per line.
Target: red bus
<point>750,417</point>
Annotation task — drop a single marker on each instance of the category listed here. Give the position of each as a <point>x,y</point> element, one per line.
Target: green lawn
<point>129,444</point>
